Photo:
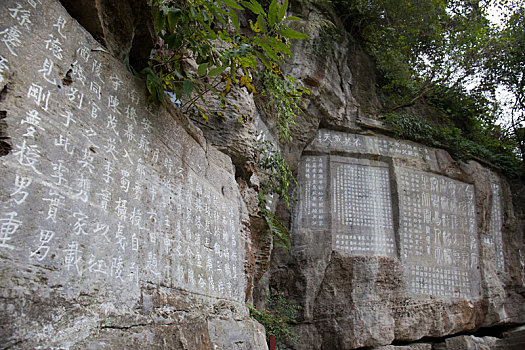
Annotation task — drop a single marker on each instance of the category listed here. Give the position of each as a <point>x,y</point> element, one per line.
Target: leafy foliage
<point>277,179</point>
<point>507,66</point>
<point>449,55</point>
<point>417,44</point>
<point>486,149</point>
<point>284,99</point>
<point>208,32</point>
<point>277,318</point>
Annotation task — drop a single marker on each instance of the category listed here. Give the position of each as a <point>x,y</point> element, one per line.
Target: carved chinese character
<point>3,67</point>
<point>144,144</point>
<point>43,248</point>
<point>68,116</point>
<point>119,237</point>
<point>113,104</point>
<point>40,97</point>
<point>47,70</point>
<point>58,172</point>
<point>75,95</point>
<point>54,45</point>
<point>110,148</point>
<point>60,24</point>
<point>27,155</point>
<point>8,227</point>
<point>84,52</point>
<point>96,69</point>
<point>112,124</point>
<point>21,183</point>
<point>73,257</point>
<point>78,72</point>
<point>11,39</point>
<point>64,142</point>
<point>115,82</point>
<point>79,226</point>
<point>33,120</point>
<point>128,133</point>
<point>117,265</point>
<point>21,15</point>
<point>102,229</point>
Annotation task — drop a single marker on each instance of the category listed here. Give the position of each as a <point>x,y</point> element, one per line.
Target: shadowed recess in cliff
<point>124,27</point>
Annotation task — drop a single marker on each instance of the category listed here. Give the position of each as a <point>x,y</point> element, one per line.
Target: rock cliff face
<point>125,225</point>
<point>393,242</point>
<point>121,226</point>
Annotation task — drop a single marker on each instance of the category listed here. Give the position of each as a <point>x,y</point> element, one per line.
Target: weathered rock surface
<point>393,241</point>
<point>124,225</point>
<point>121,226</point>
<point>124,27</point>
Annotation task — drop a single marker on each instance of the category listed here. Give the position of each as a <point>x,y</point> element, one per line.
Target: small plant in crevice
<point>277,318</point>
<point>277,180</point>
<point>285,99</point>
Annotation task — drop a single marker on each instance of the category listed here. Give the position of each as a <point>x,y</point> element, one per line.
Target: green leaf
<point>235,19</point>
<point>277,45</point>
<point>193,13</point>
<point>282,11</point>
<point>187,86</point>
<point>210,32</point>
<point>261,22</point>
<point>216,71</point>
<point>292,34</point>
<point>263,59</point>
<point>232,4</point>
<point>269,51</point>
<point>252,7</point>
<point>272,13</point>
<point>174,40</point>
<point>202,69</point>
<point>201,96</point>
<point>293,18</point>
<point>259,7</point>
<point>173,18</point>
<point>160,21</point>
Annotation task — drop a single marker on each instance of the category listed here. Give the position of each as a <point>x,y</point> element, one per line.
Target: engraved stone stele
<point>434,234</point>
<point>108,205</point>
<point>362,222</point>
<point>438,235</point>
<point>387,235</point>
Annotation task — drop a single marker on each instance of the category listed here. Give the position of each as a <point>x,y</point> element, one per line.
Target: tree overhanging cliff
<point>449,56</point>
<point>441,65</point>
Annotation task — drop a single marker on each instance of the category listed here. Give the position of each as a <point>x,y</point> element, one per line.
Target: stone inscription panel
<point>362,221</point>
<point>438,234</point>
<point>100,189</point>
<point>495,239</point>
<point>365,144</point>
<point>313,192</point>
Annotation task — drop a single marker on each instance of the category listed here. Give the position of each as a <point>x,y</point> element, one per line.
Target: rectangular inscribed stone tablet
<point>438,234</point>
<point>313,192</point>
<point>361,207</point>
<point>365,144</point>
<point>495,237</point>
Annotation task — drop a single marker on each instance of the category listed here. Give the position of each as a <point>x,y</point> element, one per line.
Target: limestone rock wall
<point>121,227</point>
<point>393,242</point>
<point>125,225</point>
